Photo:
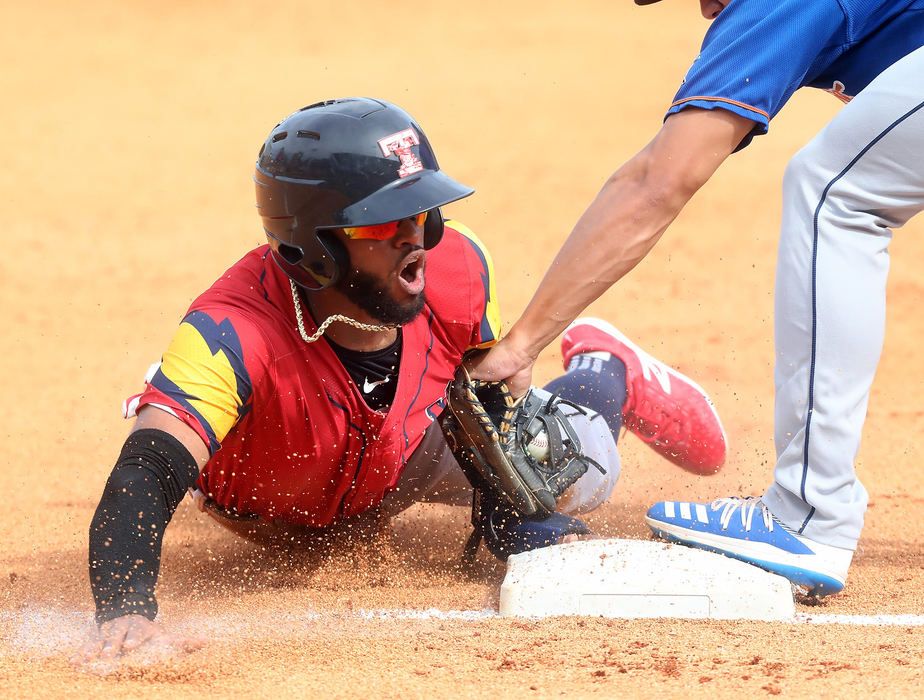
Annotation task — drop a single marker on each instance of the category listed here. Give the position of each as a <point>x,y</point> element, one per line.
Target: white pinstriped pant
<point>859,178</point>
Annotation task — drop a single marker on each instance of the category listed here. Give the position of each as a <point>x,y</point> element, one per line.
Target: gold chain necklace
<point>329,320</point>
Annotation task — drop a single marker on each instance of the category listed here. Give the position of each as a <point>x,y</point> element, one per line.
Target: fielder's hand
<point>503,362</point>
<point>123,635</point>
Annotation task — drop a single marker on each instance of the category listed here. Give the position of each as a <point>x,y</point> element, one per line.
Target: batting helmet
<point>345,163</point>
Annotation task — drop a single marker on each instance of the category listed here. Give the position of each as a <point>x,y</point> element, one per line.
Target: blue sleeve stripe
<point>166,386</point>
<point>490,325</point>
<point>223,337</point>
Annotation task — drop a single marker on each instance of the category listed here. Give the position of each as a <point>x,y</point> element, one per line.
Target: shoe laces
<point>658,426</point>
<point>746,507</point>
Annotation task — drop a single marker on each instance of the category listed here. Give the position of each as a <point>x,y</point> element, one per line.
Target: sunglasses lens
<point>381,232</point>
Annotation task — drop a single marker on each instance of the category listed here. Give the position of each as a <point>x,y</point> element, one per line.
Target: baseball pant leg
<point>858,179</point>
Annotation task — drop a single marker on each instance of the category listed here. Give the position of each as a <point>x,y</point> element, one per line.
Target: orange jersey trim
<point>722,99</point>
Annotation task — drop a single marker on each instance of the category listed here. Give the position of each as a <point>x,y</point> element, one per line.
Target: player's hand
<point>506,362</point>
<point>567,539</point>
<point>124,634</point>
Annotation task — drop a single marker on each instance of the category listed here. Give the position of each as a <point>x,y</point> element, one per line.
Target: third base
<point>637,578</point>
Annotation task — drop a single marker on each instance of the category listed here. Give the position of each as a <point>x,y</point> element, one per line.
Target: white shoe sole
<point>823,572</point>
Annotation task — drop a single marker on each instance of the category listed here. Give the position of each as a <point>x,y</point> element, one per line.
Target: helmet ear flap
<point>433,228</point>
<point>329,263</point>
<point>338,262</point>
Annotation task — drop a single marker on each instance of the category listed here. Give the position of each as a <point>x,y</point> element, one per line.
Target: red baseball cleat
<point>665,409</point>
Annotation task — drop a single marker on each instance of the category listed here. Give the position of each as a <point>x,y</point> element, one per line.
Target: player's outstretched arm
<point>619,228</point>
<point>160,459</point>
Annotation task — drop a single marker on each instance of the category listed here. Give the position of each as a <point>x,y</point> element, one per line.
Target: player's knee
<point>835,204</point>
<point>801,172</point>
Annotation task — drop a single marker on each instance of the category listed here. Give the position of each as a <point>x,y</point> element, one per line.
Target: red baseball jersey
<point>289,433</point>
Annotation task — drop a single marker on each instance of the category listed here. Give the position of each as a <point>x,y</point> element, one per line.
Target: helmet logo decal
<point>400,144</point>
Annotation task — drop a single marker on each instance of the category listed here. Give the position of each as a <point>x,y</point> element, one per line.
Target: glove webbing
<point>561,449</point>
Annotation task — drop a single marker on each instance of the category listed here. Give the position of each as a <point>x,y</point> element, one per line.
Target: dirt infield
<point>129,134</point>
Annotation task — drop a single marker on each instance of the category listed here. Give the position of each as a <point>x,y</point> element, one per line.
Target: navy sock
<point>597,383</point>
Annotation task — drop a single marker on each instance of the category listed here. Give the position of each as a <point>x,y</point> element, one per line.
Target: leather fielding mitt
<point>500,443</point>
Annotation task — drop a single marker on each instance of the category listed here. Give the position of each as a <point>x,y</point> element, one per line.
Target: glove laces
<point>746,507</point>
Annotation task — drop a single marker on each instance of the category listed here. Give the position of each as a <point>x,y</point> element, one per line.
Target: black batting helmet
<point>344,163</point>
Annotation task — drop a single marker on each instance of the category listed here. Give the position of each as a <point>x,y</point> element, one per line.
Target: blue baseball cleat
<point>745,529</point>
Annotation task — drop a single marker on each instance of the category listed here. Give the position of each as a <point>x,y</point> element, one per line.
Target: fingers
<point>113,635</point>
<point>88,651</point>
<point>128,633</point>
<point>485,364</point>
<point>565,539</point>
<point>138,634</point>
<point>520,383</point>
<point>191,643</point>
<point>501,363</point>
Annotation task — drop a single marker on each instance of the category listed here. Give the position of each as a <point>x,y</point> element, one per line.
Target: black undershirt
<point>374,373</point>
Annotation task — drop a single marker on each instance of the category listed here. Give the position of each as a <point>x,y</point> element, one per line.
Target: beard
<point>371,295</point>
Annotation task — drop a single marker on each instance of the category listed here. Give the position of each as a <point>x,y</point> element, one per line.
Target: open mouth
<point>411,272</point>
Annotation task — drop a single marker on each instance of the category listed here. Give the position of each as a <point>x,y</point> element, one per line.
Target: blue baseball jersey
<point>757,53</point>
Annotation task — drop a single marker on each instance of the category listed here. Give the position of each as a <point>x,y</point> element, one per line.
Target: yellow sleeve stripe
<point>202,376</point>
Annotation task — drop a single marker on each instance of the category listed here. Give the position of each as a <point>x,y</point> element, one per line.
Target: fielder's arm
<point>629,215</point>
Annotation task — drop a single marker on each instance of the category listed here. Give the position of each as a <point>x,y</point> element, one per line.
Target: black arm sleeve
<point>143,491</point>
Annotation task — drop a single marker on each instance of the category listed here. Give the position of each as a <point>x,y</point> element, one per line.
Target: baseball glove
<point>500,443</point>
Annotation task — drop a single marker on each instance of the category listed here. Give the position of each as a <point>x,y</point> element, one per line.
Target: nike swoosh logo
<point>369,386</point>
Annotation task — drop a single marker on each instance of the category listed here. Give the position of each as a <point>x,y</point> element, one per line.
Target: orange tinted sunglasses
<point>381,232</point>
